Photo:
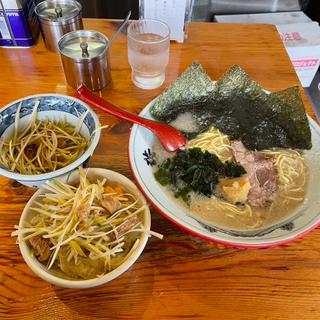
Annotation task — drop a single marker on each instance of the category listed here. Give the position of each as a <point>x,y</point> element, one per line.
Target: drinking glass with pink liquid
<point>148,52</point>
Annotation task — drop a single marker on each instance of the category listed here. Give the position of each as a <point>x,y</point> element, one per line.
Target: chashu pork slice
<point>261,173</point>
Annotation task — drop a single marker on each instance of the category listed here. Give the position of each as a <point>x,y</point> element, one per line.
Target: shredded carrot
<point>119,190</point>
<point>109,189</point>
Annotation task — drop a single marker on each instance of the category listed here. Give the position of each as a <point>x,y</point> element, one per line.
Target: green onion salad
<point>42,146</point>
<point>86,230</point>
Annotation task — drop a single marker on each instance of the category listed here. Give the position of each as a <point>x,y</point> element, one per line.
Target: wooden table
<point>181,276</point>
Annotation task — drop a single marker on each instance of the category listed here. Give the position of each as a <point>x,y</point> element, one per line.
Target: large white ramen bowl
<point>300,222</point>
<point>40,270</point>
<point>52,107</point>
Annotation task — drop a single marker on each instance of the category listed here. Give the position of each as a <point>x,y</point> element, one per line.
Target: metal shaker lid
<point>83,45</point>
<point>58,10</point>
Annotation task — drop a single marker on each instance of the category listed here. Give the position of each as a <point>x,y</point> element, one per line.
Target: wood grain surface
<point>181,276</point>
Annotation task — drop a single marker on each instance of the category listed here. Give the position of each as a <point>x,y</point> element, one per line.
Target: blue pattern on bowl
<point>47,103</point>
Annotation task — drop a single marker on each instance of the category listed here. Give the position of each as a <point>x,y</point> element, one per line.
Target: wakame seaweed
<point>240,108</point>
<point>194,170</point>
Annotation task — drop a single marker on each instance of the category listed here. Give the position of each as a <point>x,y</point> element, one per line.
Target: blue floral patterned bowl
<point>52,107</point>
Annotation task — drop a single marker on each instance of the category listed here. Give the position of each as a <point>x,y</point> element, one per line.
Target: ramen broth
<point>216,212</point>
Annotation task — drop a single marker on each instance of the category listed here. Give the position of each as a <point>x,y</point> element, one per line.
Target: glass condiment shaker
<point>58,17</point>
<point>85,59</point>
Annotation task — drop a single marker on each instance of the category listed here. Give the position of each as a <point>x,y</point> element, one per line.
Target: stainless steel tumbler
<point>58,17</point>
<point>85,59</point>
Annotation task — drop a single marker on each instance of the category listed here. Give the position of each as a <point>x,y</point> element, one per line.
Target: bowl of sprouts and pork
<point>46,136</point>
<point>85,231</point>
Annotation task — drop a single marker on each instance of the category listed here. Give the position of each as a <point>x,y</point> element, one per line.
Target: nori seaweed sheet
<point>193,88</point>
<point>293,108</point>
<point>243,110</point>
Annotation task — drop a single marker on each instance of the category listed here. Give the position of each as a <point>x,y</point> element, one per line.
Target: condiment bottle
<point>58,17</point>
<point>85,59</point>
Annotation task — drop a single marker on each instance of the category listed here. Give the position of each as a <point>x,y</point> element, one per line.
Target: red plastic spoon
<point>170,138</point>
